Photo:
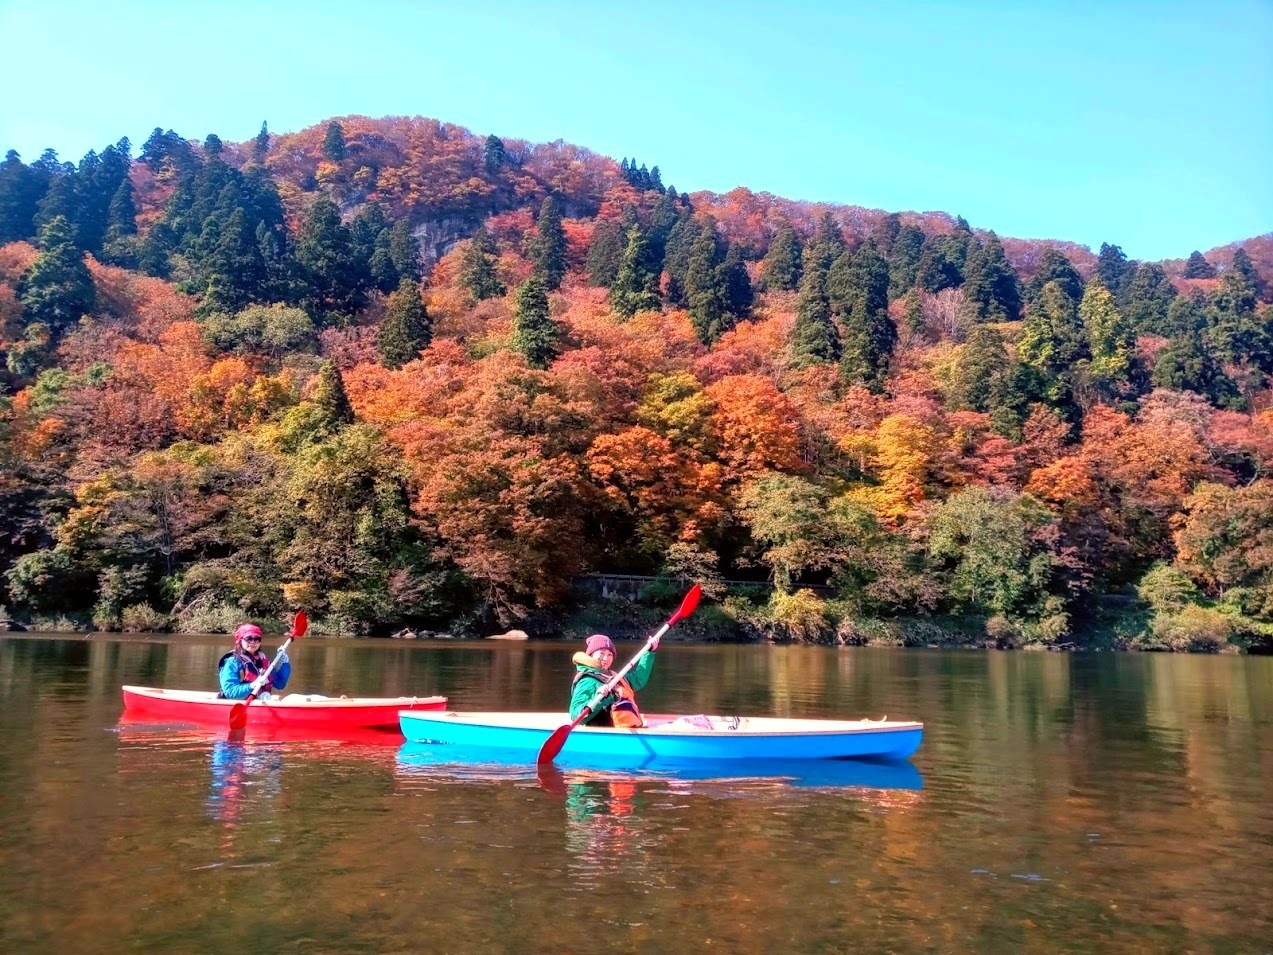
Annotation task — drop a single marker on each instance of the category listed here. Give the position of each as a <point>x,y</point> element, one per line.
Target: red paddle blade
<point>300,623</point>
<point>687,605</point>
<point>238,716</point>
<point>552,746</point>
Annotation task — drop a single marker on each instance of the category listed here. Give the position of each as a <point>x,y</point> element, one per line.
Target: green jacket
<point>586,688</point>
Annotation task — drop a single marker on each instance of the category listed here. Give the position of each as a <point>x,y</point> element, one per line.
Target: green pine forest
<point>403,375</point>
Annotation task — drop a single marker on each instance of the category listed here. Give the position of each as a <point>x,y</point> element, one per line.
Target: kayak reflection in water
<point>241,777</point>
<point>604,828</point>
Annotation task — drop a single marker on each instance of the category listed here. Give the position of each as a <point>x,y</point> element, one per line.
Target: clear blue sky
<point>1149,124</point>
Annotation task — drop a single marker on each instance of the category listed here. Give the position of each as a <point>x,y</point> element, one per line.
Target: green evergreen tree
<point>1114,270</point>
<point>325,256</point>
<point>1238,335</point>
<point>704,290</point>
<point>121,246</point>
<point>1053,341</point>
<point>1188,363</point>
<point>1243,266</point>
<point>384,273</point>
<point>662,222</point>
<point>735,282</point>
<point>1198,267</point>
<point>330,397</point>
<point>158,244</point>
<point>494,156</point>
<point>782,265</point>
<point>334,142</point>
<point>903,260</point>
<point>1055,267</point>
<point>938,266</point>
<point>478,271</point>
<point>978,375</point>
<point>364,231</point>
<point>636,286</point>
<point>404,252</point>
<point>21,189</point>
<point>827,243</point>
<point>886,232</point>
<point>814,338</point>
<point>406,330</point>
<point>912,312</point>
<point>605,253</point>
<point>58,289</point>
<point>548,251</point>
<point>1187,315</point>
<point>676,258</point>
<point>869,332</point>
<point>261,145</point>
<point>992,292</point>
<point>534,332</point>
<point>1149,296</point>
<point>1111,342</point>
<point>235,274</point>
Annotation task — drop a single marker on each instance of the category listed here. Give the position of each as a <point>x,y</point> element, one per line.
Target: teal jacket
<point>590,678</point>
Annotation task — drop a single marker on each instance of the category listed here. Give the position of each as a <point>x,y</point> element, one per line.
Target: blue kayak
<point>482,764</point>
<point>673,738</point>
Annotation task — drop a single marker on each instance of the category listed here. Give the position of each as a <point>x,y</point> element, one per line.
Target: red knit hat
<point>599,641</point>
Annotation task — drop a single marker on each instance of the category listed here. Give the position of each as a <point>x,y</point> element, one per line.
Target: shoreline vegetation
<point>411,378</point>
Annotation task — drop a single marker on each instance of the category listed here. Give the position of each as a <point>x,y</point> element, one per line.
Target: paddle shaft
<point>270,669</point>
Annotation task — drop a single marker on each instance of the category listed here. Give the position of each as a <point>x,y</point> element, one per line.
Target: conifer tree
<point>635,287</point>
<point>1110,339</point>
<point>704,290</point>
<point>404,252</point>
<point>494,156</point>
<point>334,142</point>
<point>478,273</point>
<point>782,265</point>
<point>814,338</point>
<point>1238,335</point>
<point>324,253</point>
<point>1198,267</point>
<point>979,373</point>
<point>938,267</point>
<point>534,332</point>
<point>992,292</point>
<point>869,333</point>
<point>1055,267</point>
<point>1149,296</point>
<point>738,295</point>
<point>406,330</point>
<point>1243,266</point>
<point>605,253</point>
<point>1188,363</point>
<point>676,258</point>
<point>261,145</point>
<point>903,260</point>
<point>1052,341</point>
<point>827,243</point>
<point>235,274</point>
<point>886,233</point>
<point>21,189</point>
<point>913,312</point>
<point>331,398</point>
<point>1114,270</point>
<point>58,288</point>
<point>662,222</point>
<point>1187,315</point>
<point>548,251</point>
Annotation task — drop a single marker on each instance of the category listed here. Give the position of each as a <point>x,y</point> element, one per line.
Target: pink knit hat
<point>246,630</point>
<point>599,641</point>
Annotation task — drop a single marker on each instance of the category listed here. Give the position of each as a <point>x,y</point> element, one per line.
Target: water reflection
<point>245,779</point>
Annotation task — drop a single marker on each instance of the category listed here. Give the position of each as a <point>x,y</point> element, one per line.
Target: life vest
<point>623,711</point>
<point>249,669</point>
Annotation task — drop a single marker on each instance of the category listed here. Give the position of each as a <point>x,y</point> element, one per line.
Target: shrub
<point>800,616</point>
<point>142,618</point>
<point>1167,589</point>
<point>1193,628</point>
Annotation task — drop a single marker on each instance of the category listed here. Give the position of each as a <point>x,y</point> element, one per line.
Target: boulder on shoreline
<point>510,635</point>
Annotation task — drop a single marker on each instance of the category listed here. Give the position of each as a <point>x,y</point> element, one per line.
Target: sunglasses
<point>252,639</point>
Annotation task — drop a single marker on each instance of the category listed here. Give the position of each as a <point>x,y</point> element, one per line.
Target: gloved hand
<point>259,683</point>
<point>654,643</point>
<point>282,657</point>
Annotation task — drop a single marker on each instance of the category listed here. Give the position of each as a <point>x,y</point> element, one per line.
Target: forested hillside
<point>400,374</point>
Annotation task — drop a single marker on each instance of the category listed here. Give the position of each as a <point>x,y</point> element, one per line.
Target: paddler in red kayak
<point>240,670</point>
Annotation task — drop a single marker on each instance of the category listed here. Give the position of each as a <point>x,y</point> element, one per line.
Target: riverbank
<point>1119,624</point>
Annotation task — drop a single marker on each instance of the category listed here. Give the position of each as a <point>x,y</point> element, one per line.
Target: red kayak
<point>301,711</point>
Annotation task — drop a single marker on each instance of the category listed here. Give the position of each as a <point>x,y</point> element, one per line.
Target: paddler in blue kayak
<point>594,668</point>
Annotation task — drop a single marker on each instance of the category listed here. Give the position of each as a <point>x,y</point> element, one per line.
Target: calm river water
<point>1058,803</point>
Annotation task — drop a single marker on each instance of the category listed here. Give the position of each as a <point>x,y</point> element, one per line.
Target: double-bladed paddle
<point>239,712</point>
<point>552,746</point>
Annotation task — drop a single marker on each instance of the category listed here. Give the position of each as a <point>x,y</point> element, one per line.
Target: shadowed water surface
<point>1058,803</point>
